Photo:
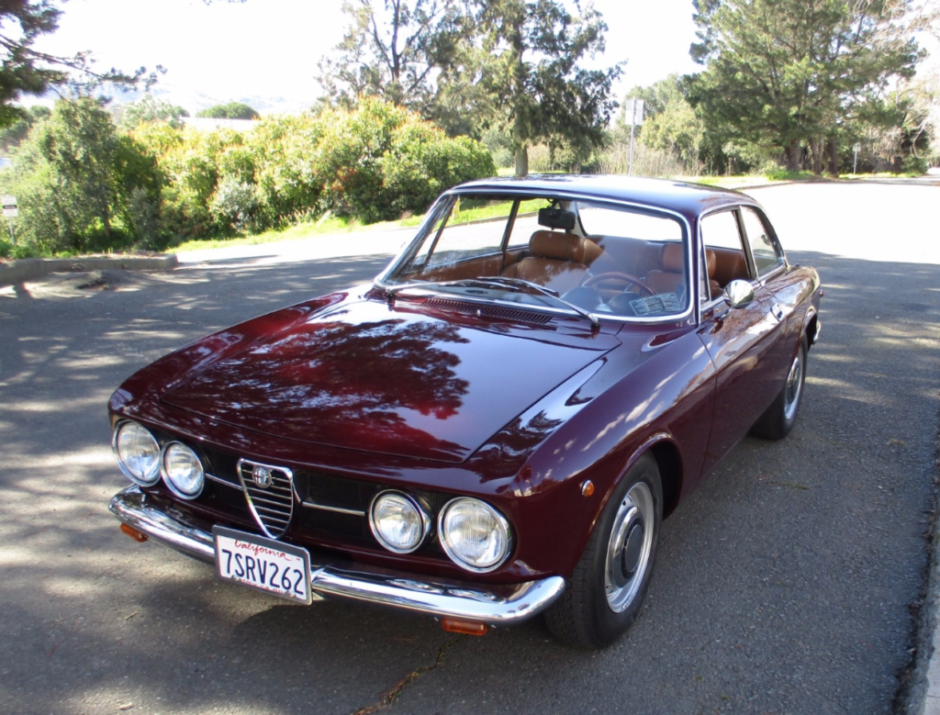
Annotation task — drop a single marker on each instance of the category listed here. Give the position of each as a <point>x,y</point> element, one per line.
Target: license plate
<point>263,564</point>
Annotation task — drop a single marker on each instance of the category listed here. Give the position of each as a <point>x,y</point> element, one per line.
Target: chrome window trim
<point>381,279</point>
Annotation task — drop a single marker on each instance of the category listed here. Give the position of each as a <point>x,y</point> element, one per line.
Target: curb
<point>29,269</point>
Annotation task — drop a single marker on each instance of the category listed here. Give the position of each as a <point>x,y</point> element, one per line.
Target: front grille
<point>270,494</point>
<point>319,508</point>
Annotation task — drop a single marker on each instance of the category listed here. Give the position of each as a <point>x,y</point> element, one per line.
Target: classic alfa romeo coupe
<point>496,427</point>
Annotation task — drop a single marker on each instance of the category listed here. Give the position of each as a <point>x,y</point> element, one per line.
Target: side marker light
<point>467,628</point>
<point>137,536</point>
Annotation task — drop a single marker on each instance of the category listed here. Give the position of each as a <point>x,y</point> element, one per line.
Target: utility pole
<point>633,111</point>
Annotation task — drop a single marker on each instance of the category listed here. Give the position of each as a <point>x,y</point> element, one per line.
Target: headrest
<point>711,262</point>
<point>556,245</point>
<point>672,258</point>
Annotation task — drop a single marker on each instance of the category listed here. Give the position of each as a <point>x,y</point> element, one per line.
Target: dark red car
<point>497,426</point>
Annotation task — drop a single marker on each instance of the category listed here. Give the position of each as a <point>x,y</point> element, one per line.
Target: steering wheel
<point>611,276</point>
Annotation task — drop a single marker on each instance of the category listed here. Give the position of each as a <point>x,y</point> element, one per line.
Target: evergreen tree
<point>25,70</point>
<point>785,73</point>
<point>534,72</point>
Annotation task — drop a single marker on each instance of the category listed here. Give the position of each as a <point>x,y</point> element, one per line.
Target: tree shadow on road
<point>790,556</point>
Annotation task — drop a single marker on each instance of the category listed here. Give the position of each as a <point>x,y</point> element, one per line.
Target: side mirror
<point>739,293</point>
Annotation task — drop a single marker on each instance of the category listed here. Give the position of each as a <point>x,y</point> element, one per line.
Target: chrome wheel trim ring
<point>636,511</point>
<point>791,396</point>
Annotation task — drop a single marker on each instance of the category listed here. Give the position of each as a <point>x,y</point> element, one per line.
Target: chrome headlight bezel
<point>172,477</point>
<point>148,477</point>
<point>500,527</point>
<point>405,500</point>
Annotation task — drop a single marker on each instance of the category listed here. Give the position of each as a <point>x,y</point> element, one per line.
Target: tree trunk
<point>816,150</point>
<point>522,159</point>
<point>833,156</point>
<point>793,156</point>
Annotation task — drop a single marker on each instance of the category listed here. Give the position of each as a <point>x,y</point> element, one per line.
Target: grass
<point>327,224</point>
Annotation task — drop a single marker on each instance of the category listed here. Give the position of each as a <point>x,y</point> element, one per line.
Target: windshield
<point>592,257</point>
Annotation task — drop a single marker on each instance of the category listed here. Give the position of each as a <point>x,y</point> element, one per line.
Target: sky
<point>265,52</point>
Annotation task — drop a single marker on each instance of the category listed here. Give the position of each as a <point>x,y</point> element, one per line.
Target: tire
<point>778,420</point>
<point>607,587</point>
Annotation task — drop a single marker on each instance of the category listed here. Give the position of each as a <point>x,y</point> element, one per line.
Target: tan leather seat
<point>556,260</point>
<point>711,265</point>
<point>668,278</point>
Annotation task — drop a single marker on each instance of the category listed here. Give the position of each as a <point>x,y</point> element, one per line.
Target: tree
<point>393,49</point>
<point>25,70</point>
<point>533,71</point>
<point>150,109</point>
<point>232,110</point>
<point>785,73</point>
<point>15,133</point>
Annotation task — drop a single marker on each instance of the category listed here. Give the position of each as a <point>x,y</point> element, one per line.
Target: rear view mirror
<point>556,218</point>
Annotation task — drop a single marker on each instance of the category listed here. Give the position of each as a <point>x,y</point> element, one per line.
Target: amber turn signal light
<point>133,533</point>
<point>468,628</point>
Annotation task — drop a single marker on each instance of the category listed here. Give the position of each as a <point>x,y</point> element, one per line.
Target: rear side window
<point>767,256</point>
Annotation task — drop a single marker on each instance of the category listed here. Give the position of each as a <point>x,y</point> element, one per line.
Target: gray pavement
<point>791,581</point>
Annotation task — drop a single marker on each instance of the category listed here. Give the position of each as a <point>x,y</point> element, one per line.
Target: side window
<point>721,231</point>
<point>724,250</point>
<point>766,256</point>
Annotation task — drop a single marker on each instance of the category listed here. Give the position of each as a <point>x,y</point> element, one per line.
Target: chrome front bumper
<point>496,606</point>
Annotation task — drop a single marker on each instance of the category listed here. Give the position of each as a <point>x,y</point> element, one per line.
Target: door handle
<point>777,311</point>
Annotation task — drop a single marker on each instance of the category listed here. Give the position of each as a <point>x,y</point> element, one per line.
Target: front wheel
<point>780,417</point>
<point>606,589</point>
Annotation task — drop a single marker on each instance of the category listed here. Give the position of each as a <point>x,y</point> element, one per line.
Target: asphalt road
<point>789,582</point>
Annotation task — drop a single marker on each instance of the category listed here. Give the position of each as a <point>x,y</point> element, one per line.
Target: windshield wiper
<point>553,294</point>
<point>513,284</point>
<point>390,291</point>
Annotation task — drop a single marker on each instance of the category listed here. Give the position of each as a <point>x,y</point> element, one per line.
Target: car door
<point>744,343</point>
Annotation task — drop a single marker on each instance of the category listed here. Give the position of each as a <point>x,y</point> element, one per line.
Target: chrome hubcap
<point>628,551</point>
<point>794,387</point>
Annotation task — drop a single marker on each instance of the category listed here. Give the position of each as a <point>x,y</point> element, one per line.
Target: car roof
<point>689,199</point>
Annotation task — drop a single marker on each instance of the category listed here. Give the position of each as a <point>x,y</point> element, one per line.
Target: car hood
<point>375,377</point>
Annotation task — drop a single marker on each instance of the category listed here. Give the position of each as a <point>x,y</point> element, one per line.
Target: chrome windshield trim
<point>381,281</point>
<point>628,319</point>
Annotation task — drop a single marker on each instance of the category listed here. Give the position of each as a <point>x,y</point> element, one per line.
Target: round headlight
<point>398,522</point>
<point>138,453</point>
<point>182,471</point>
<point>474,534</point>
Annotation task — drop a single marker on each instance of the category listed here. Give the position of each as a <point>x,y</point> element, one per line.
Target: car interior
<point>618,274</point>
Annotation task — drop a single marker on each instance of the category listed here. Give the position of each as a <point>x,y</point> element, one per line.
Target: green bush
<point>381,161</point>
<point>236,206</point>
<point>781,174</point>
<point>290,189</point>
<point>349,157</point>
<point>73,177</point>
<point>422,162</point>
